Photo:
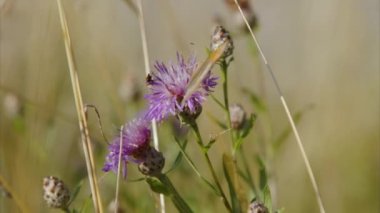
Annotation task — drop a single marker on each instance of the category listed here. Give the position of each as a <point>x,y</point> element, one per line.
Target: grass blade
<point>286,108</point>
<point>86,141</point>
<point>147,71</point>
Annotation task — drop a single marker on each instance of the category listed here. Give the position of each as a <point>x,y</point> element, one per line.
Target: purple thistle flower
<point>168,85</point>
<point>136,137</point>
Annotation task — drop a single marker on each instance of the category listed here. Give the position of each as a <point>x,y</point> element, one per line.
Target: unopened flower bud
<point>12,106</point>
<point>237,115</point>
<point>257,207</point>
<point>153,163</point>
<point>219,37</point>
<point>56,194</point>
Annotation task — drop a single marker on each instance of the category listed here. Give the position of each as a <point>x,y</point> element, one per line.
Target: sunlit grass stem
<point>286,108</point>
<point>119,171</point>
<point>224,68</point>
<point>86,141</point>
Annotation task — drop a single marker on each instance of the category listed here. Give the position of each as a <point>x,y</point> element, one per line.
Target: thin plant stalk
<point>119,171</point>
<point>286,108</point>
<point>200,143</point>
<point>147,71</point>
<point>86,141</point>
<point>224,67</point>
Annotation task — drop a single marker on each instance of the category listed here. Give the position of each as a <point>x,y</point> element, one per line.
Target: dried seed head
<point>56,194</point>
<point>248,13</point>
<point>153,164</point>
<point>219,37</point>
<point>244,4</point>
<point>238,116</point>
<point>257,207</point>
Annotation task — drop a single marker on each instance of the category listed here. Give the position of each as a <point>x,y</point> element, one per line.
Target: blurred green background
<point>325,53</point>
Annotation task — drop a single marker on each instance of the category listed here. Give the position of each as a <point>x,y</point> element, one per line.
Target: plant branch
<point>200,143</point>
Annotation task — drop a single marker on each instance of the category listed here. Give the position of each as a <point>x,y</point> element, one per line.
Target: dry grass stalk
<point>147,71</point>
<point>119,171</point>
<point>286,108</point>
<point>86,142</point>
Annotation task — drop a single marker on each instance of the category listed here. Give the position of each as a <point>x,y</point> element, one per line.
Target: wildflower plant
<point>176,90</point>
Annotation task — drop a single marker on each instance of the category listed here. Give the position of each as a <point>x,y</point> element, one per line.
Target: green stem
<point>200,143</point>
<point>224,68</point>
<point>176,198</point>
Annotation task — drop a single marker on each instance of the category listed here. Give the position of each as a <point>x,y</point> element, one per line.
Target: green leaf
<point>86,204</point>
<point>237,193</point>
<point>217,121</point>
<point>267,198</point>
<point>248,125</point>
<point>263,174</point>
<point>157,186</point>
<point>175,197</point>
<point>257,103</point>
<point>179,157</point>
<point>135,180</point>
<point>75,192</point>
<point>210,143</point>
<point>217,101</point>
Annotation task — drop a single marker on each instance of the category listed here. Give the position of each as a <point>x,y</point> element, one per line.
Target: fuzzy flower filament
<point>168,85</point>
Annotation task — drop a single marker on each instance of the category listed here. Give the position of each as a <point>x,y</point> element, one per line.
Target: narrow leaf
<point>75,192</point>
<point>258,104</point>
<point>248,126</point>
<point>179,157</point>
<point>157,186</point>
<point>263,174</point>
<point>267,197</point>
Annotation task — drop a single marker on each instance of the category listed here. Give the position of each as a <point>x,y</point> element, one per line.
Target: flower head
<point>237,116</point>
<point>135,142</point>
<point>168,85</point>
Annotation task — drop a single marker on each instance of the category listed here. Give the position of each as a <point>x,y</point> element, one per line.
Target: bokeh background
<point>325,54</point>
